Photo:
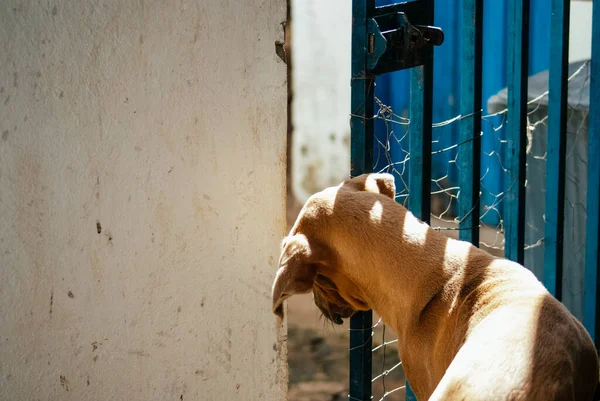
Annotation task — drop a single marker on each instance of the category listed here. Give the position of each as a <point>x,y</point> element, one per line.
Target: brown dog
<point>470,326</point>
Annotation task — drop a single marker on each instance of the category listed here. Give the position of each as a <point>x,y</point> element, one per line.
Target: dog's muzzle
<point>332,311</point>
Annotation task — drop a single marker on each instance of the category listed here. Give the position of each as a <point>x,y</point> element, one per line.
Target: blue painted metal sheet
<point>393,90</point>
<point>495,22</point>
<point>556,147</point>
<point>592,247</point>
<point>361,155</point>
<point>469,158</point>
<point>446,104</point>
<point>514,203</point>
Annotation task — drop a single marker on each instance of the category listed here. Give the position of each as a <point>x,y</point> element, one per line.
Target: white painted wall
<point>580,31</point>
<point>142,181</point>
<point>321,86</point>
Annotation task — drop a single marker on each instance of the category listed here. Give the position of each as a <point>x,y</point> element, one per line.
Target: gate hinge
<point>398,44</point>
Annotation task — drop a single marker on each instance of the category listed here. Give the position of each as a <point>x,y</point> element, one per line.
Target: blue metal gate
<point>380,45</point>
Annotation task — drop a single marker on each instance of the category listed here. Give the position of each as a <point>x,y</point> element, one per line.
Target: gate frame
<point>421,101</point>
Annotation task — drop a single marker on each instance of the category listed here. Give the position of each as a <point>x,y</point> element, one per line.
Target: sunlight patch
<point>415,232</point>
<point>376,212</point>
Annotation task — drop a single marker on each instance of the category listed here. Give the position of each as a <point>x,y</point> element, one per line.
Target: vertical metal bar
<point>421,100</point>
<point>362,90</point>
<point>557,134</point>
<point>470,130</point>
<point>361,356</point>
<point>518,63</point>
<point>421,111</point>
<point>361,160</point>
<point>592,245</point>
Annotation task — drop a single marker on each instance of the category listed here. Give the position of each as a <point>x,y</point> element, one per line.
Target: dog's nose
<point>337,318</point>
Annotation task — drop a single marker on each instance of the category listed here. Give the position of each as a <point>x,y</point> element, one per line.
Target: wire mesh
<point>391,155</point>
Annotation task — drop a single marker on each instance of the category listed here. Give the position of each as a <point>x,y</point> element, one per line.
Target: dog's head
<point>308,263</point>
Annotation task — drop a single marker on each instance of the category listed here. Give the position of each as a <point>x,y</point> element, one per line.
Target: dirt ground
<point>318,357</point>
<point>318,350</point>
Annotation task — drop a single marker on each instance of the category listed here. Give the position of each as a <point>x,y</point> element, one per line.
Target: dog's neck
<point>413,273</point>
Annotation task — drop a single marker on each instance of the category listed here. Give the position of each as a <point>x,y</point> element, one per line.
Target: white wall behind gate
<point>321,86</point>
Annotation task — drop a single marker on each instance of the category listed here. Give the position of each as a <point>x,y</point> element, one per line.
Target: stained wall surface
<point>142,182</point>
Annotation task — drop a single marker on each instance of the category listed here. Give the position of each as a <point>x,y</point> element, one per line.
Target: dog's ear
<point>297,271</point>
<point>381,183</point>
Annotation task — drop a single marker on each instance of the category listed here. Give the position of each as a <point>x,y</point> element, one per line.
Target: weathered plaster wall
<point>580,33</point>
<point>321,87</point>
<point>142,180</point>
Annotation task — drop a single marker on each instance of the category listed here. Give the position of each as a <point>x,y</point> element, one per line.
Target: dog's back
<point>508,355</point>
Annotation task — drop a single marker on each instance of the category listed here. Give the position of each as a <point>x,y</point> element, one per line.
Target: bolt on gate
<point>402,36</point>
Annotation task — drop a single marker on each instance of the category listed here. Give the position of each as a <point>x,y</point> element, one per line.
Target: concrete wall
<point>142,180</point>
<point>580,32</point>
<point>321,87</point>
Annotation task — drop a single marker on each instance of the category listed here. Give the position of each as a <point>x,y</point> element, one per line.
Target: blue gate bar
<point>362,85</point>
<point>556,151</point>
<point>419,179</point>
<point>469,159</point>
<point>421,109</point>
<point>361,161</point>
<point>590,301</point>
<point>518,62</point>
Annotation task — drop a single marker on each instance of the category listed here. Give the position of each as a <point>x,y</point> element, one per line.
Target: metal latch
<point>395,43</point>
